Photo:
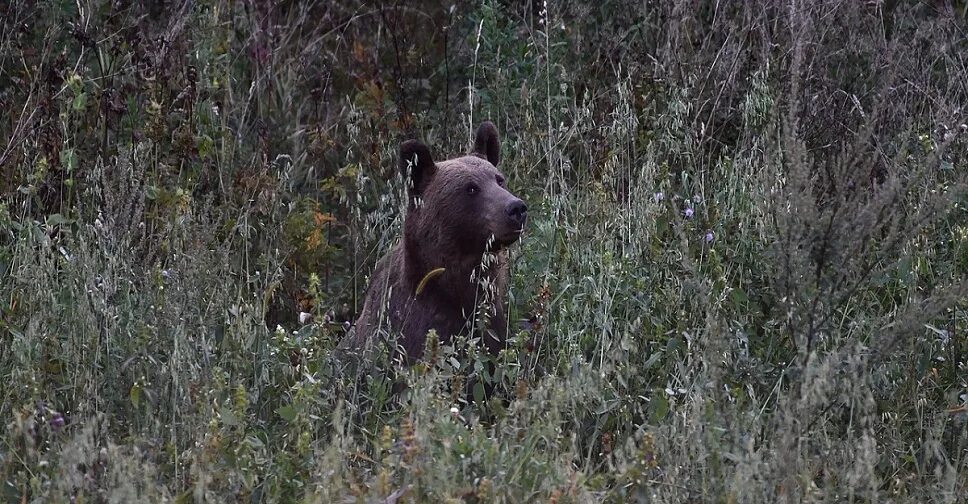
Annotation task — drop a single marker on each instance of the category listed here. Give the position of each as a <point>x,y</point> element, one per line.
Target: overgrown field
<point>743,280</point>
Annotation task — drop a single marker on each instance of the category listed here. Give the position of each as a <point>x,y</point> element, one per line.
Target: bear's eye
<point>500,180</point>
<point>472,189</point>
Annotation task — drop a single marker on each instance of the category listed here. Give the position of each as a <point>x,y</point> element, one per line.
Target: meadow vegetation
<point>744,276</point>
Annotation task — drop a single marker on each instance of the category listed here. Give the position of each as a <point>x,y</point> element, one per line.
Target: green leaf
<point>674,344</point>
<point>652,360</point>
<point>135,395</point>
<point>660,407</point>
<point>205,145</point>
<point>68,159</point>
<point>80,102</point>
<point>229,417</point>
<point>288,413</point>
<point>185,497</point>
<point>57,220</point>
<point>739,297</point>
<point>662,224</point>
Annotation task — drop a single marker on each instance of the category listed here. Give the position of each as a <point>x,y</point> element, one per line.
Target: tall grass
<point>743,278</point>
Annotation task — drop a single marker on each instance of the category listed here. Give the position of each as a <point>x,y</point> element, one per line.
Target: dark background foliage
<point>743,280</point>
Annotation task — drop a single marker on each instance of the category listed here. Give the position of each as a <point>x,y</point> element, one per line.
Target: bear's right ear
<point>417,165</point>
<point>487,143</point>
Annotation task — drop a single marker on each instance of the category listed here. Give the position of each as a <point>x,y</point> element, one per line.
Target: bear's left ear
<point>487,144</point>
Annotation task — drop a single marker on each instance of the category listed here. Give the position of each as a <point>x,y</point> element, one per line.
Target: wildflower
<point>697,199</point>
<point>57,421</point>
<point>658,196</point>
<point>304,317</point>
<point>708,237</point>
<point>454,412</point>
<point>688,212</point>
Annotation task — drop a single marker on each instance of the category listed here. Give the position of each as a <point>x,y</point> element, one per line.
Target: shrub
<point>744,279</point>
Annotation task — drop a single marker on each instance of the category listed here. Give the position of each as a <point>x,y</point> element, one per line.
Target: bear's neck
<point>454,286</point>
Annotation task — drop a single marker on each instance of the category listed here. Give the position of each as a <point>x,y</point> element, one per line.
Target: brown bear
<point>452,259</point>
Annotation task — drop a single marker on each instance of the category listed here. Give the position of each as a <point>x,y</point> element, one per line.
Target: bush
<point>743,280</point>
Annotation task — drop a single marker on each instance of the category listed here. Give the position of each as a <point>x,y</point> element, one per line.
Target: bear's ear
<point>487,144</point>
<point>417,165</point>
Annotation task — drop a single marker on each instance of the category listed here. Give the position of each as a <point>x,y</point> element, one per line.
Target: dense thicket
<point>743,280</point>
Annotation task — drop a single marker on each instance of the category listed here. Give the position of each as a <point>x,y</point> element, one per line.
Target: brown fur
<point>446,226</point>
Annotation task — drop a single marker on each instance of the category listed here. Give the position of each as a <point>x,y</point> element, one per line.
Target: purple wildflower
<point>57,421</point>
<point>708,237</point>
<point>688,212</point>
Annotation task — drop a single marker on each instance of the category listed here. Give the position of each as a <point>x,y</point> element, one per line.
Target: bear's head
<point>460,206</point>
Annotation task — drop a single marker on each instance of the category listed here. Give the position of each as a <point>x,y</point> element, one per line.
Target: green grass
<point>178,184</point>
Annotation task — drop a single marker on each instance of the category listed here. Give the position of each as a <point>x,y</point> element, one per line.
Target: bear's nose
<point>517,212</point>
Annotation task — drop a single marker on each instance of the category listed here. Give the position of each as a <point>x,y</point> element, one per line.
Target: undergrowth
<point>743,278</point>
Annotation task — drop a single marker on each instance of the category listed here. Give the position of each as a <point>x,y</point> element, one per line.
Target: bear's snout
<point>517,213</point>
